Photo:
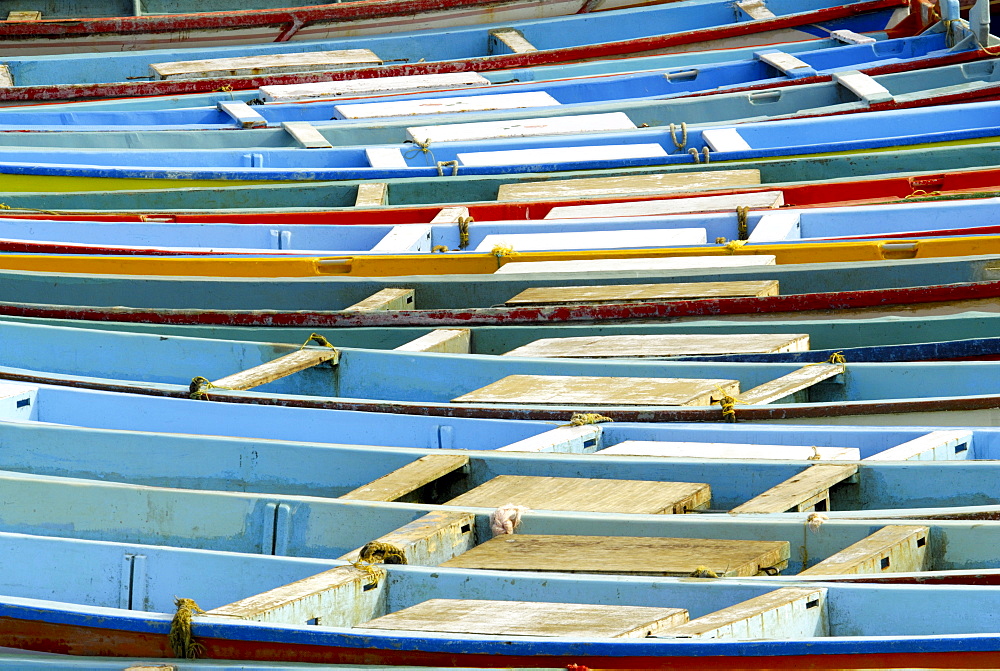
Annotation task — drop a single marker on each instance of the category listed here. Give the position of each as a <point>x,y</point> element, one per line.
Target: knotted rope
<point>503,251</point>
<point>439,248</point>
<point>463,231</point>
<point>199,387</point>
<point>815,521</point>
<point>741,221</point>
<point>5,206</point>
<point>420,148</point>
<point>181,639</point>
<point>319,340</point>
<point>506,519</point>
<point>377,552</point>
<point>734,245</point>
<point>441,165</point>
<point>835,358</point>
<point>728,404</point>
<point>684,136</point>
<point>584,418</point>
<point>703,572</point>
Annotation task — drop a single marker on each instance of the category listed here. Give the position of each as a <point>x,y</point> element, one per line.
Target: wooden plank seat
<point>624,555</point>
<point>241,113</point>
<point>306,135</point>
<point>789,612</point>
<point>636,293</point>
<point>513,266</point>
<point>690,450</point>
<point>509,41</point>
<point>863,86</point>
<point>649,238</point>
<point>662,345</point>
<point>725,139</point>
<point>935,446</point>
<point>627,185</point>
<point>406,483</point>
<point>372,194</point>
<point>447,105</point>
<point>390,298</point>
<point>279,368</point>
<point>485,130</point>
<point>786,385</point>
<point>756,9</point>
<point>776,227</point>
<point>547,155</point>
<point>596,391</point>
<point>572,439</point>
<point>406,238</point>
<point>786,64</point>
<point>450,215</point>
<point>429,540</point>
<point>588,495</point>
<point>530,618</point>
<point>372,86</point>
<point>693,205</point>
<point>269,64</point>
<point>808,490</point>
<point>24,15</point>
<point>895,548</point>
<point>450,341</point>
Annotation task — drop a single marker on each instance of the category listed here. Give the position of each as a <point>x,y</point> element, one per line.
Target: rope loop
<point>742,211</point>
<point>377,552</point>
<point>503,251</point>
<point>181,639</point>
<point>585,418</point>
<point>441,165</point>
<point>728,405</point>
<point>199,387</point>
<point>684,136</point>
<point>703,572</point>
<point>463,231</point>
<point>439,249</point>
<point>835,358</point>
<point>695,154</point>
<point>705,151</point>
<point>420,148</point>
<point>506,519</point>
<point>319,340</point>
<point>733,245</point>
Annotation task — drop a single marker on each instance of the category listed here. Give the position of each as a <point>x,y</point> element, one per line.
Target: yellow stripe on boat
<point>441,264</point>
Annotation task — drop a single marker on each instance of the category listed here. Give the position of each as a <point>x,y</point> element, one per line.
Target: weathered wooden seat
<point>509,41</point>
<point>643,208</point>
<point>514,266</point>
<point>756,9</point>
<point>935,446</point>
<point>24,15</point>
<point>588,495</point>
<point>630,185</point>
<point>448,105</point>
<point>306,135</point>
<point>634,293</point>
<point>786,385</point>
<point>863,86</point>
<point>429,540</point>
<point>269,64</point>
<point>687,450</point>
<point>279,368</point>
<point>724,139</point>
<point>572,439</point>
<point>809,490</point>
<point>241,113</point>
<point>406,483</point>
<point>406,238</point>
<point>624,555</point>
<point>609,239</point>
<point>530,618</point>
<point>484,130</point>
<point>786,64</point>
<point>450,341</point>
<point>595,391</point>
<point>371,86</point>
<point>789,612</point>
<point>662,345</point>
<point>545,155</point>
<point>385,157</point>
<point>775,227</point>
<point>372,194</point>
<point>451,215</point>
<point>386,299</point>
<point>893,549</point>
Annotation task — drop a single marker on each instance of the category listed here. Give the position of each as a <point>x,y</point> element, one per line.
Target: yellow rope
<point>463,231</point>
<point>835,358</point>
<point>377,552</point>
<point>198,389</point>
<point>703,572</point>
<point>734,245</point>
<point>439,248</point>
<point>920,193</point>
<point>5,206</point>
<point>501,251</point>
<point>584,418</point>
<point>319,340</point>
<point>720,240</point>
<point>225,89</point>
<point>741,221</point>
<point>728,404</point>
<point>418,148</point>
<point>181,639</point>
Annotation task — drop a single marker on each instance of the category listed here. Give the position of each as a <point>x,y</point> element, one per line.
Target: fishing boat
<point>700,24</point>
<point>89,27</point>
<point>345,115</point>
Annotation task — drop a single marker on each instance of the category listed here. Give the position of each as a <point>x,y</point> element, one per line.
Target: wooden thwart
<point>571,439</point>
<point>790,612</point>
<point>375,85</point>
<point>756,9</point>
<point>809,490</point>
<point>242,114</point>
<point>935,446</point>
<point>484,130</point>
<point>6,78</point>
<point>641,208</point>
<point>785,63</point>
<point>448,341</point>
<point>588,495</point>
<point>512,39</point>
<point>891,549</point>
<point>372,194</point>
<point>24,15</point>
<point>624,555</point>
<point>406,238</point>
<point>279,368</point>
<point>531,618</point>
<point>648,238</point>
<point>607,187</point>
<point>635,293</point>
<point>450,215</point>
<point>690,450</point>
<point>554,155</point>
<point>449,105</point>
<point>589,391</point>
<point>786,385</point>
<point>662,345</point>
<point>431,539</point>
<point>635,264</point>
<point>269,64</point>
<point>306,135</point>
<point>408,479</point>
<point>863,86</point>
<point>386,299</point>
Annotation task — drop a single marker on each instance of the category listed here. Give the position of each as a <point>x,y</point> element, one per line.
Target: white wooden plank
<point>385,157</point>
<point>430,540</point>
<point>662,345</point>
<point>665,263</point>
<point>624,239</point>
<point>372,86</point>
<point>644,208</point>
<point>570,439</point>
<point>891,549</point>
<point>449,105</point>
<point>625,185</point>
<point>512,39</point>
<point>724,139</point>
<point>24,15</point>
<point>562,125</point>
<point>390,298</point>
<point>851,37</point>
<point>242,113</point>
<point>372,194</point>
<point>935,446</point>
<point>756,9</point>
<point>783,62</point>
<point>775,227</point>
<point>269,64</point>
<point>16,401</point>
<point>406,238</point>
<point>445,341</point>
<point>863,86</point>
<point>450,215</point>
<point>691,450</point>
<point>306,135</point>
<point>805,491</point>
<point>281,367</point>
<point>6,79</point>
<point>790,612</point>
<point>607,152</point>
<point>786,385</point>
